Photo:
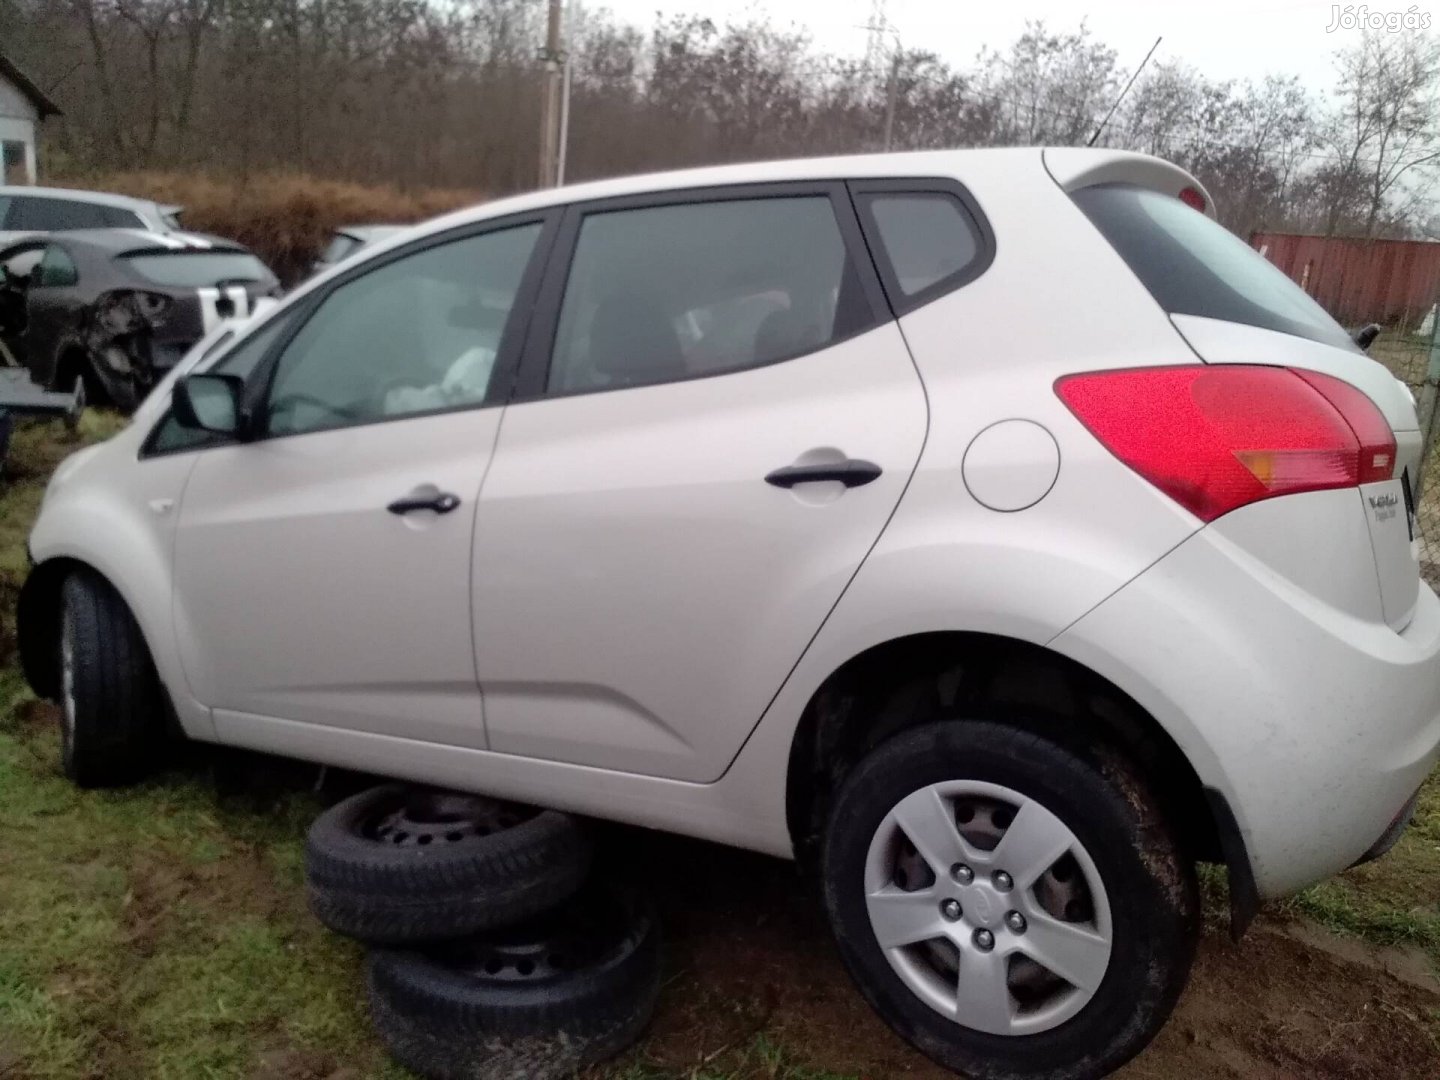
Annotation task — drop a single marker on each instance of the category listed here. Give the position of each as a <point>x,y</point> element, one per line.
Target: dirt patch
<point>32,716</point>
<point>750,959</point>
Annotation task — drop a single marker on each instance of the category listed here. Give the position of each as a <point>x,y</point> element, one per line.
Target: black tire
<point>111,702</point>
<point>396,865</point>
<point>499,1007</point>
<point>1152,891</point>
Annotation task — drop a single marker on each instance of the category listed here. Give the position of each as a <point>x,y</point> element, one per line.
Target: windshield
<point>1192,265</point>
<point>196,268</point>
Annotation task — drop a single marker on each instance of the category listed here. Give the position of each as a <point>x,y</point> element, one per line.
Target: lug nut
<point>1016,922</point>
<point>1003,882</point>
<point>951,909</point>
<point>984,940</point>
<point>962,873</point>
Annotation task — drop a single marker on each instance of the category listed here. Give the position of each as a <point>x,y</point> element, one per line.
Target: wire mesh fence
<point>1414,358</point>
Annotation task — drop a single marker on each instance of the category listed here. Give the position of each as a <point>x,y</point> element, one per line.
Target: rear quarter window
<point>1192,265</point>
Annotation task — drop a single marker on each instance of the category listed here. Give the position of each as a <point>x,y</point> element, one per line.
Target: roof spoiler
<point>1074,168</point>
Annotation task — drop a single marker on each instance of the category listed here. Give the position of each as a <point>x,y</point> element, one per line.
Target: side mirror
<point>208,402</point>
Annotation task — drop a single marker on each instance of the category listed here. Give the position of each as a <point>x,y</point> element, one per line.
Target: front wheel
<point>1016,909</point>
<point>111,703</point>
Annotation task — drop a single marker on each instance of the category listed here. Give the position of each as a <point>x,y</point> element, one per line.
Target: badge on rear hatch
<point>1383,506</point>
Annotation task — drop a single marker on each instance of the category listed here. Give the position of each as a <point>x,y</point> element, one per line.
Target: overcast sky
<point>1224,39</point>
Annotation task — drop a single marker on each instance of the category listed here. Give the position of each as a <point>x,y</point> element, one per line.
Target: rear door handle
<point>425,498</point>
<point>851,472</point>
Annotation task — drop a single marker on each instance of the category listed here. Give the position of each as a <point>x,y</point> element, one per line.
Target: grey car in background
<point>117,308</point>
<point>350,239</point>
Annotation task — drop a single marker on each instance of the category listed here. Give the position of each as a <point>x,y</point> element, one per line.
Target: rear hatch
<point>1232,306</point>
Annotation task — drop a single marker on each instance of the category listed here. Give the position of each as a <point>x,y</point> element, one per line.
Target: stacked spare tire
<point>495,953</point>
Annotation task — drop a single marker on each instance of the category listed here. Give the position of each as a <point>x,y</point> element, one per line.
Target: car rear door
<point>715,418</point>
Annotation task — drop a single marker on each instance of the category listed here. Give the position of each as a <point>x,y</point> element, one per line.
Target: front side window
<point>55,215</point>
<point>416,335</point>
<point>19,265</point>
<point>169,436</point>
<point>666,293</point>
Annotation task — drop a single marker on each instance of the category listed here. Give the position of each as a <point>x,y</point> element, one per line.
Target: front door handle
<point>851,472</point>
<point>425,498</point>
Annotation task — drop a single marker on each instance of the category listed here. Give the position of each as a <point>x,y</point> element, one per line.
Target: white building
<point>23,105</point>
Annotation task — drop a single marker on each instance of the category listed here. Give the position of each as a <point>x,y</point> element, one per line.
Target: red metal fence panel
<point>1394,282</point>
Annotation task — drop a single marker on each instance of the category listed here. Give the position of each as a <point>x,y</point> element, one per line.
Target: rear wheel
<point>1014,908</point>
<point>111,703</point>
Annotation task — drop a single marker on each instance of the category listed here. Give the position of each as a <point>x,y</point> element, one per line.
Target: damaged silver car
<point>115,309</point>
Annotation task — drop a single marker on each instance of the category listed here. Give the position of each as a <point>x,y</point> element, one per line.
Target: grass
<point>161,931</point>
<point>1392,901</point>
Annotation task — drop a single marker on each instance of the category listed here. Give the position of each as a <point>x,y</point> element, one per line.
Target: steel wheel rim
<point>420,818</point>
<point>949,910</point>
<point>67,680</point>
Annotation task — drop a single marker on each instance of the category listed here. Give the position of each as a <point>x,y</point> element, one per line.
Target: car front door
<point>322,567</point>
<point>18,268</point>
<point>715,418</point>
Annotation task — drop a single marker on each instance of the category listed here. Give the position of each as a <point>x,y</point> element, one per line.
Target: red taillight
<point>1377,441</point>
<point>1216,438</point>
<point>1193,198</point>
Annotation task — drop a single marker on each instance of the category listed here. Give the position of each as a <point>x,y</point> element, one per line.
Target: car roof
<point>369,232</point>
<point>99,198</point>
<point>914,163</point>
<point>125,241</point>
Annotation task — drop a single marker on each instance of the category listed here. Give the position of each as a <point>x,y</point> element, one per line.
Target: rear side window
<point>1192,265</point>
<point>191,269</point>
<point>57,269</point>
<point>928,240</point>
<point>116,218</point>
<point>665,293</point>
<point>57,215</point>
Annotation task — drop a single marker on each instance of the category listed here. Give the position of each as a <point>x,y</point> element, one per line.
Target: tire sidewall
<point>340,831</point>
<point>441,1022</point>
<point>1151,892</point>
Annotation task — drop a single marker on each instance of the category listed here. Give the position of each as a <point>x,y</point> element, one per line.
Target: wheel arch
<point>37,623</point>
<point>909,680</point>
<point>37,628</point>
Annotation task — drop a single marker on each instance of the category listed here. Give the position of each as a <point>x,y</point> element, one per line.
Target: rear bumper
<point>1316,724</point>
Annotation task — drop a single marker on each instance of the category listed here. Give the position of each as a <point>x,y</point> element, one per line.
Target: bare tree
<point>1388,120</point>
<point>418,93</point>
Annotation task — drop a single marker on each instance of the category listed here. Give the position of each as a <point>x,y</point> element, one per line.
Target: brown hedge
<point>286,219</point>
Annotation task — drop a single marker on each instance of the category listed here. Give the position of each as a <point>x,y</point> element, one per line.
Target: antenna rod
<point>1121,98</point>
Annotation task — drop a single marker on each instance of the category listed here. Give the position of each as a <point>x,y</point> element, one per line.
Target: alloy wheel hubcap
<point>988,907</point>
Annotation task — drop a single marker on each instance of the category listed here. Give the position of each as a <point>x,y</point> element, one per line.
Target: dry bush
<point>285,219</point>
